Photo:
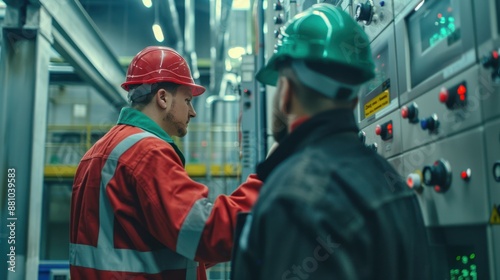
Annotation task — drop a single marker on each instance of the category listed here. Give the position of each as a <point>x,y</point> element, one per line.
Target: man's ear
<point>285,93</point>
<point>163,99</point>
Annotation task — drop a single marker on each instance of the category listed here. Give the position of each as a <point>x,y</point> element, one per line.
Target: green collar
<point>133,117</point>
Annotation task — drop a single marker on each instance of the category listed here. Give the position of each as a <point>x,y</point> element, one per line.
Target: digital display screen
<point>381,60</point>
<point>438,21</point>
<point>462,263</point>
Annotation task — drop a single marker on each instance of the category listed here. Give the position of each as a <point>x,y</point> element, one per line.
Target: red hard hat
<point>160,64</point>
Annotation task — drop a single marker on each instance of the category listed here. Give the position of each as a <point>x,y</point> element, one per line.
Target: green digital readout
<point>438,21</point>
<point>464,267</point>
<point>445,26</point>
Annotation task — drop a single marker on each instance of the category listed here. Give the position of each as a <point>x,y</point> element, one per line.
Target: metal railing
<point>66,145</point>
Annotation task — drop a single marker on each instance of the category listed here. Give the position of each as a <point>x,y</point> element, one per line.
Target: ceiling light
<point>158,32</point>
<point>147,3</point>
<point>419,5</point>
<point>236,52</point>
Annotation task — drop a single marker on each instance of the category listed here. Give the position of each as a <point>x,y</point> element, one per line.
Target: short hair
<point>140,102</point>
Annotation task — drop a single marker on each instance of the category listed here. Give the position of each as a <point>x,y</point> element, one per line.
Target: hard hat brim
<point>268,74</point>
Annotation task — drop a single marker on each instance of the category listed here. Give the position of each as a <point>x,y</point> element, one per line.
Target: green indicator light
<point>442,20</point>
<point>465,259</point>
<point>451,27</point>
<point>443,31</point>
<point>472,256</point>
<point>465,273</point>
<point>473,267</point>
<point>458,258</point>
<point>451,19</point>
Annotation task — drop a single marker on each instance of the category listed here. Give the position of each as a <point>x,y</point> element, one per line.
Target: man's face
<point>180,112</point>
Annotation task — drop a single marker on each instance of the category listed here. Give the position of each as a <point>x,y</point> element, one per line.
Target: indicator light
<point>410,112</point>
<point>465,174</point>
<point>404,112</point>
<point>461,90</point>
<point>443,95</point>
<point>414,181</point>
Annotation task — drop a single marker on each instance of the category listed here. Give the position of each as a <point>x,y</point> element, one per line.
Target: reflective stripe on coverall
<point>106,257</point>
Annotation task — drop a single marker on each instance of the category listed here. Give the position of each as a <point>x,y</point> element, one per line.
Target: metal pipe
<point>172,19</point>
<point>261,94</point>
<point>210,101</point>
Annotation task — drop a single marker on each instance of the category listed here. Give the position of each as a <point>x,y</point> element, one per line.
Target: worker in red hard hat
<point>135,213</point>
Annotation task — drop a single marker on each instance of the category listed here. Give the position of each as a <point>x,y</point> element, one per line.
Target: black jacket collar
<point>323,124</point>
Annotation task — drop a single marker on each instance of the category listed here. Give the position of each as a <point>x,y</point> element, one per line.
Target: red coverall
<point>136,214</point>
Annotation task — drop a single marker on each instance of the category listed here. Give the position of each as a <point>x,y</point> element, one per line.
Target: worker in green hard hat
<point>330,208</point>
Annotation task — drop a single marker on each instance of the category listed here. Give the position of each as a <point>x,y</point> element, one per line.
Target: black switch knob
<point>438,175</point>
<point>373,146</point>
<point>362,136</point>
<point>277,33</point>
<point>410,112</point>
<point>431,123</point>
<point>455,97</point>
<point>492,61</point>
<point>278,20</point>
<point>384,131</point>
<point>364,12</point>
<point>278,6</point>
<point>496,171</point>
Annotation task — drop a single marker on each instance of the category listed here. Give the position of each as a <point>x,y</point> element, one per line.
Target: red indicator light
<point>203,143</point>
<point>409,182</point>
<point>378,130</point>
<point>440,15</point>
<point>495,54</point>
<point>461,90</point>
<point>465,175</point>
<point>450,9</point>
<point>462,97</point>
<point>443,95</point>
<point>404,112</point>
<point>389,126</point>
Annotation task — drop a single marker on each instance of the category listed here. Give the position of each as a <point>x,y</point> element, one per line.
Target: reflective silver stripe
<point>105,256</point>
<point>106,215</point>
<point>190,233</point>
<point>192,270</point>
<point>126,260</point>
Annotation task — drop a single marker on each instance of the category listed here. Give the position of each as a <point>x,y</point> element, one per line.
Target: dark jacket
<point>331,208</point>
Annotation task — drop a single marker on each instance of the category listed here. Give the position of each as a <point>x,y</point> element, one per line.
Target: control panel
<point>373,15</point>
<point>452,107</point>
<point>433,111</point>
<point>248,111</point>
<point>449,175</point>
<point>384,135</point>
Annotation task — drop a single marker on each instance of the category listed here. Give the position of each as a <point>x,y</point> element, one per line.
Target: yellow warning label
<point>376,104</point>
<point>495,216</point>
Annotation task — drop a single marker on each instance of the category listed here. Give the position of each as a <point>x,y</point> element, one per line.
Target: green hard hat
<point>322,33</point>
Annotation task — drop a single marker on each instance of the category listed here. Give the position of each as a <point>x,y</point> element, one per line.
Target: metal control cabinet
<point>435,119</point>
<point>248,106</point>
<point>374,16</point>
